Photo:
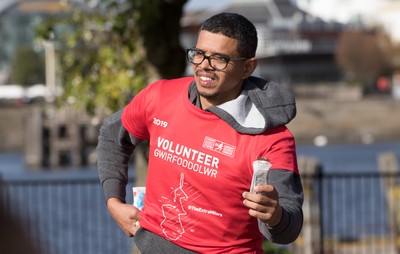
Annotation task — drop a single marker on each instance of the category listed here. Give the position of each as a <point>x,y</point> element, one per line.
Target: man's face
<point>218,86</point>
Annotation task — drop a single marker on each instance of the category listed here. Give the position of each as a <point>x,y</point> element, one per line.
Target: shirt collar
<point>194,95</point>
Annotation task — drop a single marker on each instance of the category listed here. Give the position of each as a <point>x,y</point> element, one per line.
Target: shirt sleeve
<point>114,149</point>
<point>288,184</point>
<point>134,115</point>
<point>282,151</point>
<point>284,176</point>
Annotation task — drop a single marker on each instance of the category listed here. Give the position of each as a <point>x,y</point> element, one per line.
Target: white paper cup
<point>138,197</point>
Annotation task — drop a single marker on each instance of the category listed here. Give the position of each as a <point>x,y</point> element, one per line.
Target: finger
<point>136,223</point>
<point>135,226</point>
<point>258,199</point>
<point>263,216</point>
<point>255,197</point>
<point>261,206</point>
<point>129,232</point>
<point>264,188</point>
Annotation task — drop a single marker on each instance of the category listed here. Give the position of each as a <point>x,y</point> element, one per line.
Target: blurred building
<point>18,19</point>
<point>294,46</point>
<point>384,13</point>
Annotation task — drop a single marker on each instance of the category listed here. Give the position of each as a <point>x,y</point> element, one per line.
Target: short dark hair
<point>237,27</point>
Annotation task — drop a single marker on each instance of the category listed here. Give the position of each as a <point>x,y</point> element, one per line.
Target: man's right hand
<point>127,216</point>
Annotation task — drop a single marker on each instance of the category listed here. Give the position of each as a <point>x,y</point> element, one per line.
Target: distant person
<point>205,132</point>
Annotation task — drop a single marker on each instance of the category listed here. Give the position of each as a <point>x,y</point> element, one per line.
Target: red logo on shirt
<point>219,146</point>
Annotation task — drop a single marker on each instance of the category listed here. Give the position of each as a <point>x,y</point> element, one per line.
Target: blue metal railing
<point>69,216</point>
<point>64,215</point>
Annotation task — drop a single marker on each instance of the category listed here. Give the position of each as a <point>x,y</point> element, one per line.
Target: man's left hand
<point>264,204</point>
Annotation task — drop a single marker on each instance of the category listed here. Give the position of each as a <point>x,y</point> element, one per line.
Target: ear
<point>249,67</point>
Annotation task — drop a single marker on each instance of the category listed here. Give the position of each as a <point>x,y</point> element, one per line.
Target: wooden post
<point>309,241</point>
<point>33,137</point>
<point>64,135</point>
<point>50,64</point>
<point>388,167</point>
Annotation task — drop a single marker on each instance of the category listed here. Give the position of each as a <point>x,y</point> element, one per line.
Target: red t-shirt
<point>199,166</point>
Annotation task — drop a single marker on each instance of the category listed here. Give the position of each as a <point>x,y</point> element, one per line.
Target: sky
<point>339,10</point>
<point>202,4</point>
<point>343,11</point>
<point>385,13</point>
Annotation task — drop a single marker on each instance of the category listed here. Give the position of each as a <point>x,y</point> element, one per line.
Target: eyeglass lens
<point>215,61</point>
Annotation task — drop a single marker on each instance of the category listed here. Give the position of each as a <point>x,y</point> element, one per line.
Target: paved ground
<point>367,120</point>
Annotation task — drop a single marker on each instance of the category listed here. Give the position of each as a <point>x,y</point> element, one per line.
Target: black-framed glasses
<point>216,61</point>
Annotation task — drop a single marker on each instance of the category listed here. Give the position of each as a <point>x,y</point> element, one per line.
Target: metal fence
<point>64,216</point>
<point>355,212</point>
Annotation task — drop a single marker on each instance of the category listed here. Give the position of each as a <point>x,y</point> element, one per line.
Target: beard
<point>208,96</point>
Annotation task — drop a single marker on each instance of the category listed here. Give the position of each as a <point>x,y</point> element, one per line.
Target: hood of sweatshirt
<point>262,105</point>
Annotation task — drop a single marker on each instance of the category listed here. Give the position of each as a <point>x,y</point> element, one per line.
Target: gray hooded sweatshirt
<point>262,105</point>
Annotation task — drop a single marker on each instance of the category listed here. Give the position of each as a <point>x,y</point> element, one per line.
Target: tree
<point>109,48</point>
<point>107,51</point>
<point>363,56</point>
<point>159,25</point>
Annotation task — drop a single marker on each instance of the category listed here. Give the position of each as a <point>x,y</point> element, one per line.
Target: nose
<point>206,64</point>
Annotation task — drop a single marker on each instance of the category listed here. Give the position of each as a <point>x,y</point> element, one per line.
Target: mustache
<point>201,72</point>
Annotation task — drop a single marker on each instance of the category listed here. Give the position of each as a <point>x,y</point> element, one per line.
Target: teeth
<point>205,78</point>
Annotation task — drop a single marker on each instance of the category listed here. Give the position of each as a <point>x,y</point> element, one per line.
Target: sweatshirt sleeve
<point>288,184</point>
<point>114,149</point>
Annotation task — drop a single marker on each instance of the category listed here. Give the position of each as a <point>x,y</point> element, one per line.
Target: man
<point>205,132</point>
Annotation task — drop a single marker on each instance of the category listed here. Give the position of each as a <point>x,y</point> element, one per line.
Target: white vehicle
<point>11,92</point>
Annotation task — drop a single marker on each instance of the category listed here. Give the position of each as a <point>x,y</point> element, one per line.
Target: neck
<point>208,101</point>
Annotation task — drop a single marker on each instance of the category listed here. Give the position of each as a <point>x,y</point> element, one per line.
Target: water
<point>349,157</point>
<point>334,158</point>
<point>98,233</point>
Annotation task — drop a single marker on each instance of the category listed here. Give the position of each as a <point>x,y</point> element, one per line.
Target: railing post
<point>2,195</point>
<point>311,235</point>
<point>389,168</point>
<point>33,137</point>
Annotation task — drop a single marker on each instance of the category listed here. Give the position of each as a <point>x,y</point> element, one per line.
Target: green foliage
<point>101,52</point>
<point>270,248</point>
<point>104,50</point>
<point>27,67</point>
<point>100,57</point>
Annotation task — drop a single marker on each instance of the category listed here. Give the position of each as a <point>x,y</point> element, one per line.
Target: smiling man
<point>205,132</point>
